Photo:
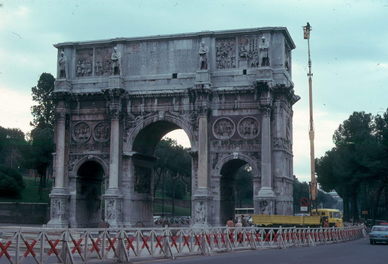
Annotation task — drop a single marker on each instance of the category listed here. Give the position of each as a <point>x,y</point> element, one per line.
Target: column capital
<point>266,110</point>
<point>114,110</point>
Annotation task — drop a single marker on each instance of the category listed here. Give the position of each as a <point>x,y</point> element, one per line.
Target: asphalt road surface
<point>354,252</point>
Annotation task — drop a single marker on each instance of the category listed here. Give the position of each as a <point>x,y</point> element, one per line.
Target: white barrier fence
<point>83,245</point>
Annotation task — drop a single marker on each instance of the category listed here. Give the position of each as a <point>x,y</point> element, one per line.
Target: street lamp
<point>313,183</point>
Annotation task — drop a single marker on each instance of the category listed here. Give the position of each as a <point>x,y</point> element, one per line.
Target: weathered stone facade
<point>230,91</point>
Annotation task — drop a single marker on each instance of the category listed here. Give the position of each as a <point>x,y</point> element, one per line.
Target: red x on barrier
<point>173,241</point>
<point>197,240</point>
<point>186,241</point>
<point>53,247</point>
<point>215,239</point>
<point>208,238</point>
<point>145,242</point>
<point>30,248</point>
<point>267,237</point>
<point>275,238</point>
<point>231,237</point>
<point>159,241</point>
<point>111,244</point>
<point>4,248</point>
<point>240,237</point>
<point>95,245</point>
<point>77,245</point>
<point>130,243</point>
<point>223,239</point>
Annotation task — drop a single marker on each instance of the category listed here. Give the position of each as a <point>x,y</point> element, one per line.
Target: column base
<point>113,207</point>
<point>265,201</point>
<point>59,208</point>
<point>138,210</point>
<point>266,192</point>
<point>200,208</point>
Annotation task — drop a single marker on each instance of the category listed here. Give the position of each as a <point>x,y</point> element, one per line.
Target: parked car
<point>379,233</point>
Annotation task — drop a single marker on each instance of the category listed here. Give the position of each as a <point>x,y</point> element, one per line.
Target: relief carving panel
<point>226,53</point>
<point>102,65</point>
<point>248,127</point>
<point>224,128</point>
<point>81,132</point>
<point>101,132</point>
<point>84,62</point>
<point>248,51</point>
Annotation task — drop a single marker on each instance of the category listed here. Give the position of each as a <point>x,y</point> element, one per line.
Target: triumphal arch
<point>230,91</point>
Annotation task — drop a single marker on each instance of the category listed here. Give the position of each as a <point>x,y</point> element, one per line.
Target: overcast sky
<point>349,48</point>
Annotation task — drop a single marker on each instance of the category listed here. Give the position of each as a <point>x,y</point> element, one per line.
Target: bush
<point>11,182</point>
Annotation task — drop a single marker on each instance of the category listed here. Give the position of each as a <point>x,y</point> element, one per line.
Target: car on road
<point>379,233</point>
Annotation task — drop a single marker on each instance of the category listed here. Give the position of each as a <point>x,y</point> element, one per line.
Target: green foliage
<point>357,167</point>
<point>11,182</point>
<point>12,147</point>
<point>31,193</point>
<point>42,136</point>
<point>301,190</point>
<point>243,187</point>
<point>172,172</point>
<point>42,94</point>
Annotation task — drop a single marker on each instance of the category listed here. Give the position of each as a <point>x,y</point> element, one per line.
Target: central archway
<point>145,191</point>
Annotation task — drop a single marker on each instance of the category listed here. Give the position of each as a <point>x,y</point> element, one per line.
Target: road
<point>354,252</point>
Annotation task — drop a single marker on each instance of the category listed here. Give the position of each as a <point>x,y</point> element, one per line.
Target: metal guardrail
<point>84,245</point>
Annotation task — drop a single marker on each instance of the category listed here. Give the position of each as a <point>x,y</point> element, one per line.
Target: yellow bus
<point>333,216</point>
<point>243,211</point>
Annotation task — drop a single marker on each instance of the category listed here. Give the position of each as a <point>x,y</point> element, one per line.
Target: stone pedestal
<point>113,207</point>
<point>200,209</point>
<point>115,82</point>
<point>202,77</point>
<point>62,85</point>
<point>59,208</point>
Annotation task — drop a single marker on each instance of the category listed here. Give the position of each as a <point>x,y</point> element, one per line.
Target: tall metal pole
<point>313,183</point>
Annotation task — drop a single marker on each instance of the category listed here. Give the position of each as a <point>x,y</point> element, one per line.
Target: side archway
<point>227,169</point>
<point>90,176</point>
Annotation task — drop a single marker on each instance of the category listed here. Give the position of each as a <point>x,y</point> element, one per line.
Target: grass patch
<point>179,211</point>
<point>31,194</point>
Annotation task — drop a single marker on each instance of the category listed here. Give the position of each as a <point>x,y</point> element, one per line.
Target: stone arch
<point>139,165</point>
<point>226,170</point>
<point>91,158</point>
<point>253,163</point>
<point>180,123</point>
<point>89,185</point>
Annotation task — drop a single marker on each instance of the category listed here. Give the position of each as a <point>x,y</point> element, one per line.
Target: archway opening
<point>90,186</point>
<point>162,168</point>
<point>236,190</point>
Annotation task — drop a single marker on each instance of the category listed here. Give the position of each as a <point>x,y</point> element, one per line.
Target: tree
<point>357,166</point>
<point>43,113</point>
<point>243,187</point>
<point>172,171</point>
<point>12,147</point>
<point>11,182</point>
<point>42,143</point>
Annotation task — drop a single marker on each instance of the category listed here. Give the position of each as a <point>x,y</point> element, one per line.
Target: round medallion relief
<point>101,132</point>
<point>81,132</point>
<point>224,128</point>
<point>248,127</point>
